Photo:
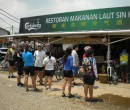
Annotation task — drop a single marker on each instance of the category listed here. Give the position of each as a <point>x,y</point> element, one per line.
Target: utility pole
<point>12,30</point>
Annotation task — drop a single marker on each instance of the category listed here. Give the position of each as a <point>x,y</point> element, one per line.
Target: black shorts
<point>11,63</point>
<point>88,80</point>
<point>68,73</point>
<point>38,68</point>
<point>49,73</point>
<point>124,68</point>
<point>20,70</point>
<point>29,70</point>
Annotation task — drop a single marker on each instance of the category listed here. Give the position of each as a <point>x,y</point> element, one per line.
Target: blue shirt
<point>69,63</point>
<point>28,58</point>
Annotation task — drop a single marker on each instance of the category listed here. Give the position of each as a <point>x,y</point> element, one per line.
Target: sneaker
<point>87,99</point>
<point>63,95</point>
<point>9,76</point>
<point>37,90</point>
<point>12,76</point>
<point>70,96</point>
<point>49,89</point>
<point>18,84</point>
<point>46,88</point>
<point>27,90</point>
<point>74,83</point>
<point>21,84</point>
<point>93,100</point>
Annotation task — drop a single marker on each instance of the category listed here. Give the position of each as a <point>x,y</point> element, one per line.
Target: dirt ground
<point>112,93</point>
<point>121,89</point>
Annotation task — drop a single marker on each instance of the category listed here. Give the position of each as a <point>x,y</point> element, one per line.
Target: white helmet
<point>39,44</point>
<point>87,48</point>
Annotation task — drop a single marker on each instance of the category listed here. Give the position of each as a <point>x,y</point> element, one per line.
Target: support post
<point>108,55</point>
<point>12,30</point>
<point>109,69</point>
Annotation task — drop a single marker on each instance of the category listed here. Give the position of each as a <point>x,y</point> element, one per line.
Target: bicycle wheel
<point>2,64</point>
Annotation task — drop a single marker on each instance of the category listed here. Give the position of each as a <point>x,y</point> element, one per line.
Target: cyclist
<point>90,68</point>
<point>48,63</point>
<point>124,67</point>
<point>9,56</point>
<point>28,60</point>
<point>39,56</point>
<point>68,74</point>
<point>20,64</point>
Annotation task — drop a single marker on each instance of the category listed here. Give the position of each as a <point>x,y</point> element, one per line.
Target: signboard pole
<point>108,61</point>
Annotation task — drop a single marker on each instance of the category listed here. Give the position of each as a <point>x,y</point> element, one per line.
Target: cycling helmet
<point>87,48</point>
<point>39,44</point>
<point>124,50</point>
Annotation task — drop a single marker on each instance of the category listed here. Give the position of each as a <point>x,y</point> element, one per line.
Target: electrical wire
<point>5,21</point>
<point>9,14</point>
<point>9,18</point>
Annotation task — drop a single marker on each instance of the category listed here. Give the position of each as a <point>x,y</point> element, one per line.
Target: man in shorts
<point>9,56</point>
<point>20,64</point>
<point>39,56</point>
<point>75,62</point>
<point>124,67</point>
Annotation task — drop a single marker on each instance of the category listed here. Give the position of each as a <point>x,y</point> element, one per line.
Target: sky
<point>27,8</point>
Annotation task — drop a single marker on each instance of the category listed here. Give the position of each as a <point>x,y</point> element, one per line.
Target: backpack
<point>88,66</point>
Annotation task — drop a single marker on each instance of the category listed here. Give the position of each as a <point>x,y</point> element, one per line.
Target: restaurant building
<point>97,28</point>
<point>106,30</point>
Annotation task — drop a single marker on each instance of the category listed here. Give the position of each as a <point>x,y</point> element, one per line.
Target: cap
<point>86,48</point>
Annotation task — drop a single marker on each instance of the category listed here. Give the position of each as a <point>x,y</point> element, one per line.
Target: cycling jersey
<point>124,58</point>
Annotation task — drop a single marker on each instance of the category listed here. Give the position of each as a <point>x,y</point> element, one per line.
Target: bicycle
<point>4,65</point>
<point>59,70</point>
<point>113,78</point>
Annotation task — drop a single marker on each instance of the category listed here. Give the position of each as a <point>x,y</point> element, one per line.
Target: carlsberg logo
<point>32,26</point>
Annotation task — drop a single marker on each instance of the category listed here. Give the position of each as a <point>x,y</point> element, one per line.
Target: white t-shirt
<point>49,63</point>
<point>75,58</point>
<point>39,57</point>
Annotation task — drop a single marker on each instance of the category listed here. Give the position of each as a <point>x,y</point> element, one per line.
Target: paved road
<point>15,98</point>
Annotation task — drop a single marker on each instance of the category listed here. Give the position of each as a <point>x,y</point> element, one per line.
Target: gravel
<point>15,98</point>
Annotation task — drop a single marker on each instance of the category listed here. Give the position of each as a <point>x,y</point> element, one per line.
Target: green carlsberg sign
<point>100,19</point>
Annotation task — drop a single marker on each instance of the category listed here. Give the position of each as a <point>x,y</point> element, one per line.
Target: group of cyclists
<point>42,62</point>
